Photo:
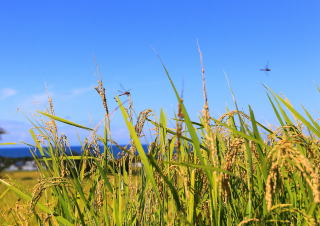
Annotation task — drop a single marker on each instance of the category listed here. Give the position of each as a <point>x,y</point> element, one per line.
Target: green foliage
<point>226,171</point>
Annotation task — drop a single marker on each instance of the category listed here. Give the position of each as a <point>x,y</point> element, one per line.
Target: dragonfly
<point>266,68</point>
<point>124,92</point>
<point>2,131</point>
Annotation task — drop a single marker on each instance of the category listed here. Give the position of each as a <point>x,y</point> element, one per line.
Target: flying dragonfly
<point>266,68</point>
<point>124,92</point>
<point>2,131</point>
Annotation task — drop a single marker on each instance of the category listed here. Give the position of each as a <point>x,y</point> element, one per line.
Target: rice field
<point>10,202</point>
<point>231,170</point>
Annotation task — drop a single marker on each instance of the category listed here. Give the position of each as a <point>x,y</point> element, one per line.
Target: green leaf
<point>137,143</point>
<point>8,144</point>
<point>60,219</point>
<point>297,114</point>
<point>64,120</point>
<point>169,183</point>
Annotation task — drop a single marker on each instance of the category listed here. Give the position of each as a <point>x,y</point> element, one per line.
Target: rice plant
<point>231,170</point>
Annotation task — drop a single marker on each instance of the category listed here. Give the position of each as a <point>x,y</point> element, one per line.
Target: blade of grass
<point>142,154</point>
<point>64,120</point>
<point>45,209</point>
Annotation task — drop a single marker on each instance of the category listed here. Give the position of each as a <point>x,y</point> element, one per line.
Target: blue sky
<point>51,47</point>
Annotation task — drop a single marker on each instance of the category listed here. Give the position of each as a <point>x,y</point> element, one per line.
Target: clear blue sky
<point>53,44</point>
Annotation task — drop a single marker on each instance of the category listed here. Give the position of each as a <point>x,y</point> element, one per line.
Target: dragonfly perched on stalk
<point>126,92</point>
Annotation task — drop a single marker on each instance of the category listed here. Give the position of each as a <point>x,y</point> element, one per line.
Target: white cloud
<point>16,131</point>
<point>79,91</point>
<point>34,102</point>
<point>7,92</point>
<point>39,99</point>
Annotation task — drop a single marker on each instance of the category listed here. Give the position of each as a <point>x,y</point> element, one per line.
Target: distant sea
<point>21,152</point>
